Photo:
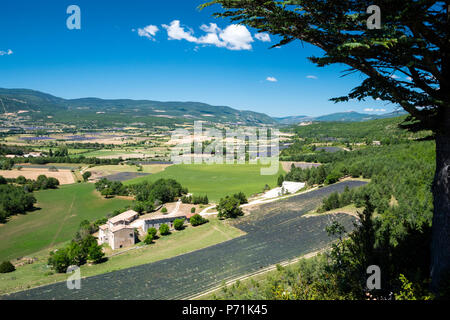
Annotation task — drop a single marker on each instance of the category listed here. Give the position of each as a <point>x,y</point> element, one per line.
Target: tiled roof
<point>125,216</point>
<point>120,227</point>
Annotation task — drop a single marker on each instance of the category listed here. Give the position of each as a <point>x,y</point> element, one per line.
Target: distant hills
<point>351,116</point>
<point>38,106</point>
<point>41,105</point>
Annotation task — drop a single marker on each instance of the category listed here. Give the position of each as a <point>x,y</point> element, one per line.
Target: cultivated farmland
<point>275,233</point>
<point>216,180</point>
<point>63,176</point>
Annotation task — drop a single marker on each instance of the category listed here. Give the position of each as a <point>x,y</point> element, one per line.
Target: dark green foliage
<point>59,260</point>
<point>229,207</point>
<point>164,229</point>
<point>41,183</point>
<point>178,224</point>
<point>333,177</point>
<point>195,199</point>
<point>6,267</point>
<point>163,190</point>
<point>193,210</point>
<point>281,178</point>
<point>6,164</point>
<point>164,210</point>
<point>109,188</point>
<point>241,197</point>
<point>152,231</point>
<point>81,249</point>
<point>14,200</point>
<point>86,175</point>
<point>197,220</point>
<point>15,150</point>
<point>148,239</point>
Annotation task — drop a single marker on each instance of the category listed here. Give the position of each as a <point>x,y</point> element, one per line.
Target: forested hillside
<point>394,229</point>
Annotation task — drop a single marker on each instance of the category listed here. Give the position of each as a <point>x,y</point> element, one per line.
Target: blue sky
<point>114,56</point>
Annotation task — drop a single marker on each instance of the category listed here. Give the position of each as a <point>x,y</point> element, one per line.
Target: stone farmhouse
<point>118,232</point>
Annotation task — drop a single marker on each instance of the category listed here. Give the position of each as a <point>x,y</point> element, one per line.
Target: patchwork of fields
<point>276,232</point>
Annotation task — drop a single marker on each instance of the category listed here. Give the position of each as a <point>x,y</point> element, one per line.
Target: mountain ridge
<point>43,105</point>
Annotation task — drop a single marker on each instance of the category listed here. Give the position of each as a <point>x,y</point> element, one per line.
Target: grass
<point>178,242</point>
<point>60,214</point>
<point>216,180</point>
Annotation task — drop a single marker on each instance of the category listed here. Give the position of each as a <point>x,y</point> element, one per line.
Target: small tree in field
<point>229,207</point>
<point>86,175</point>
<point>197,220</point>
<point>107,193</point>
<point>164,229</point>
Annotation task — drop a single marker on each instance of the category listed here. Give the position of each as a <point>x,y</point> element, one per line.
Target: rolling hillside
<point>38,105</point>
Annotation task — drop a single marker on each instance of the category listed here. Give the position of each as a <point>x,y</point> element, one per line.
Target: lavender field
<point>276,232</point>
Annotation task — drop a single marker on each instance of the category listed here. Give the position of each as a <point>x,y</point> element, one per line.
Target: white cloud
<point>233,37</point>
<point>368,109</point>
<point>148,31</point>
<point>6,53</point>
<point>271,79</point>
<point>176,32</point>
<point>394,76</point>
<point>264,37</point>
<point>409,78</point>
<point>312,77</point>
<point>237,37</point>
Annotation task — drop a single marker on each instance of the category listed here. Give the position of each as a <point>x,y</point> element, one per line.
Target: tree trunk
<point>440,246</point>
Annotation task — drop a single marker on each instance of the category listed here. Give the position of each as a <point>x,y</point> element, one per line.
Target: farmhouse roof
<point>120,227</point>
<point>163,219</point>
<point>103,227</point>
<point>125,216</point>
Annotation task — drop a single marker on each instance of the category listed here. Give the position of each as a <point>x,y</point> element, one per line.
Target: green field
<point>216,180</point>
<point>60,214</point>
<point>179,242</point>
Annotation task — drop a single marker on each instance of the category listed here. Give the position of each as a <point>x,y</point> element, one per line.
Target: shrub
<point>152,231</point>
<point>164,210</point>
<point>193,210</point>
<point>164,229</point>
<point>229,207</point>
<point>197,220</point>
<point>86,175</point>
<point>148,239</point>
<point>178,224</point>
<point>59,260</point>
<point>6,267</point>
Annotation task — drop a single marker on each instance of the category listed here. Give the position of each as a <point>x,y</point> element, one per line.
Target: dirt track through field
<point>275,233</point>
